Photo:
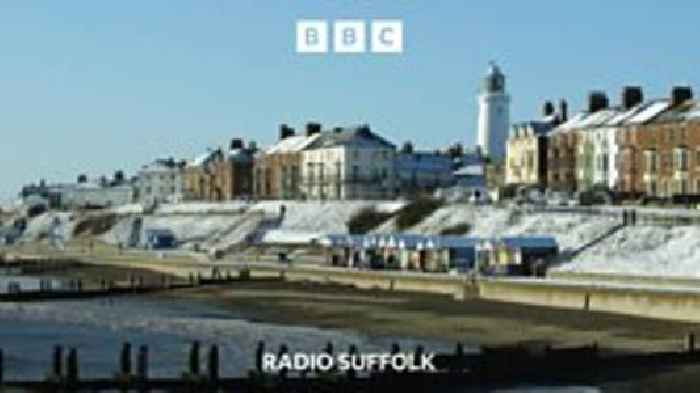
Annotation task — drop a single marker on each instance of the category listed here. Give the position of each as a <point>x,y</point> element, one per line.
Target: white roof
<point>201,159</point>
<point>598,118</point>
<point>291,144</point>
<point>573,122</point>
<point>693,113</point>
<point>624,115</point>
<point>649,112</point>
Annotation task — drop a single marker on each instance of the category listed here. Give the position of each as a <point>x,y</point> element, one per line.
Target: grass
<point>415,212</point>
<point>366,220</point>
<point>458,229</point>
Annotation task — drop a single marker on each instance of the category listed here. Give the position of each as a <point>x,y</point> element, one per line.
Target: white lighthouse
<point>494,114</point>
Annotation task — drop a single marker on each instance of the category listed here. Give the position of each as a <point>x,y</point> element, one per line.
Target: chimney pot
<point>679,94</point>
<point>286,131</point>
<point>597,100</point>
<point>547,108</point>
<point>236,143</point>
<point>312,128</point>
<point>563,110</point>
<point>631,97</point>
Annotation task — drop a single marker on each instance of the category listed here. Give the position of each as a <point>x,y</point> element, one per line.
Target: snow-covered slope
<point>40,226</point>
<point>304,221</point>
<point>644,250</point>
<point>572,230</point>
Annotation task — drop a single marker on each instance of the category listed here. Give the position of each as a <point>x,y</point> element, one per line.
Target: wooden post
<point>395,348</point>
<point>690,342</point>
<point>458,364</point>
<point>194,358</point>
<point>57,361</point>
<point>283,351</point>
<point>125,359</point>
<point>418,354</point>
<point>72,373</point>
<point>259,356</point>
<point>352,351</point>
<point>143,363</point>
<point>213,366</point>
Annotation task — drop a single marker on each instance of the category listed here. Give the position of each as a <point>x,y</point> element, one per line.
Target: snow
<point>644,250</point>
<point>571,230</point>
<point>40,226</point>
<point>305,221</point>
<point>131,208</point>
<point>638,250</point>
<point>651,111</point>
<point>203,207</point>
<point>292,144</point>
<point>222,225</point>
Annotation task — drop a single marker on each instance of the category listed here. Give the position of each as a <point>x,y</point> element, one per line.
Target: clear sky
<point>94,86</point>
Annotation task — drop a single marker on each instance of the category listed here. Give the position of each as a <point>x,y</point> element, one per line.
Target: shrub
<point>459,229</point>
<point>415,212</point>
<point>95,225</point>
<point>365,220</point>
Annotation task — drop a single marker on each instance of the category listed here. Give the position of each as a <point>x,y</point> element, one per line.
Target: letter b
<point>312,36</point>
<point>349,36</point>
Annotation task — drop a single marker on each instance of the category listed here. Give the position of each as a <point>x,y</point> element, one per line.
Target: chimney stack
<point>680,94</point>
<point>547,109</point>
<point>286,131</point>
<point>631,97</point>
<point>312,128</point>
<point>236,144</point>
<point>563,111</point>
<point>597,100</point>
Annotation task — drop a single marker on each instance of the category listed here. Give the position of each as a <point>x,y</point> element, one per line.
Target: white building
<point>423,171</point>
<point>494,114</point>
<point>348,163</point>
<point>160,182</point>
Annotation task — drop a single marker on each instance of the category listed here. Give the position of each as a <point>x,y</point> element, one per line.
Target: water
<point>97,328</point>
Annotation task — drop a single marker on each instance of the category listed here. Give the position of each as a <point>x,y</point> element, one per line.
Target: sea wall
<point>397,281</point>
<point>651,303</point>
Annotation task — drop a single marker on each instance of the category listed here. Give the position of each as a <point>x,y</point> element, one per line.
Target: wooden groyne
<point>77,289</point>
<point>492,366</point>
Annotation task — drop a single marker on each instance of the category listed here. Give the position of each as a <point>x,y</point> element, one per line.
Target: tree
<point>82,178</point>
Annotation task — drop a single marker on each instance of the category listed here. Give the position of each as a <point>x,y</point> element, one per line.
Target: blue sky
<point>92,87</point>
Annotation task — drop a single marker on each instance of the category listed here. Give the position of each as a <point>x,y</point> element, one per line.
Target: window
<point>652,188</point>
<point>681,159</point>
<point>355,172</point>
<point>604,162</point>
<point>650,161</point>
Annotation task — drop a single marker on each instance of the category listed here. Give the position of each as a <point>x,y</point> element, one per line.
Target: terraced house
<point>603,165</point>
<point>277,170</point>
<point>562,148</point>
<point>661,150</point>
<point>526,148</point>
<point>221,174</point>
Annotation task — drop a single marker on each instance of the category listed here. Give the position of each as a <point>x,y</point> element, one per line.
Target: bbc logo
<point>349,36</point>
